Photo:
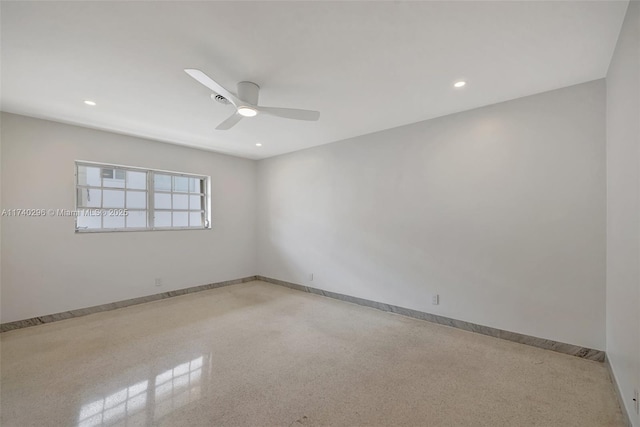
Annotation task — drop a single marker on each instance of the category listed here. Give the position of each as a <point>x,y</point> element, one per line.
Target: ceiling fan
<point>246,102</point>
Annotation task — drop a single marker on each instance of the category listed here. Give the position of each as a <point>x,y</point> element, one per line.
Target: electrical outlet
<point>158,282</point>
<point>636,401</point>
<point>435,300</point>
<point>311,277</point>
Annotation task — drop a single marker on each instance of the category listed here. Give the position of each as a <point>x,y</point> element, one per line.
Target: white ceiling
<point>366,66</point>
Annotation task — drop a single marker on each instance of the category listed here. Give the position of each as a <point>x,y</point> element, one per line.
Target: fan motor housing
<point>248,91</point>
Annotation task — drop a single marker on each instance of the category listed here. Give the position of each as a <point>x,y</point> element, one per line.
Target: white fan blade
<point>211,84</point>
<point>291,113</point>
<point>230,122</point>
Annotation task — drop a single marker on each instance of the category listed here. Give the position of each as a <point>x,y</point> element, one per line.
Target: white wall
<point>1,207</point>
<point>500,210</point>
<point>623,209</point>
<point>47,268</point>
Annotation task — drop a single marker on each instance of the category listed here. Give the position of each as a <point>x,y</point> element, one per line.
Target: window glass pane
<point>195,202</point>
<point>89,197</point>
<point>162,219</point>
<point>181,184</point>
<point>113,178</point>
<point>180,201</point>
<point>89,222</point>
<point>137,219</point>
<point>162,182</point>
<point>112,221</point>
<point>113,199</point>
<point>88,175</point>
<point>194,185</point>
<point>136,180</point>
<point>94,197</point>
<point>180,219</point>
<point>162,201</point>
<point>195,219</point>
<point>136,200</point>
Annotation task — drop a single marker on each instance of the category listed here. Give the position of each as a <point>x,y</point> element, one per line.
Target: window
<point>123,198</point>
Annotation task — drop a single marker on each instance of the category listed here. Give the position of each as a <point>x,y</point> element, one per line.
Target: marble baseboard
<point>619,397</point>
<point>9,326</point>
<point>574,350</point>
<point>586,353</point>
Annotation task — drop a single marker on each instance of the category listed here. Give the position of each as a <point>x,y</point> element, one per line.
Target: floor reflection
<point>177,387</point>
<point>116,406</point>
<point>147,400</point>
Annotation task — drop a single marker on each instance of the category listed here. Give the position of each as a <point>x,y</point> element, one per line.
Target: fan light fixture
<point>93,104</point>
<point>459,84</point>
<point>247,112</point>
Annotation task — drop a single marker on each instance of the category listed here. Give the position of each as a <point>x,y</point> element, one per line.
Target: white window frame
<point>150,197</point>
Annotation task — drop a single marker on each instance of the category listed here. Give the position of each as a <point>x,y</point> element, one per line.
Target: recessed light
<point>258,145</point>
<point>93,104</point>
<point>247,111</point>
<point>459,84</point>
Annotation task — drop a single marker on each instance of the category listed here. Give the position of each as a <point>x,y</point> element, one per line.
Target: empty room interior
<point>320,213</point>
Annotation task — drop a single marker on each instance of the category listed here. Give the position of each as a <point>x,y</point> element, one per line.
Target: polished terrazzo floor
<point>257,354</point>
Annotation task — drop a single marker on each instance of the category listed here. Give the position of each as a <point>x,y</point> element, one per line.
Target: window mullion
<point>150,199</point>
<point>101,199</point>
<point>173,180</point>
<point>125,196</point>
